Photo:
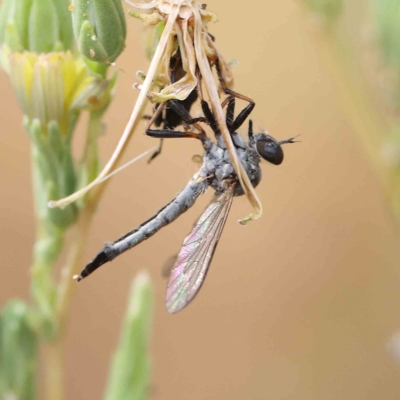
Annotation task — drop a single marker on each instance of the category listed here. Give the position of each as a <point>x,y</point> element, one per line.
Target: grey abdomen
<point>183,201</point>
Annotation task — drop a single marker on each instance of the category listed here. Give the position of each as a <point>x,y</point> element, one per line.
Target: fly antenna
<point>83,191</point>
<point>291,140</point>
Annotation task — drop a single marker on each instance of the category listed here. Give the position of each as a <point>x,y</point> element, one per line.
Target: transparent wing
<point>196,253</point>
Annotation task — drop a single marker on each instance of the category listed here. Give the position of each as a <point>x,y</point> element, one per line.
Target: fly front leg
<point>209,117</point>
<point>156,119</point>
<point>157,152</point>
<point>234,124</point>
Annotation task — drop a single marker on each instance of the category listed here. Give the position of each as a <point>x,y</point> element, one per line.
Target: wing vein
<point>194,258</point>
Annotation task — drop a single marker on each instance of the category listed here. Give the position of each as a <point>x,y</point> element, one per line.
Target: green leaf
<point>54,172</point>
<point>18,353</point>
<point>129,374</point>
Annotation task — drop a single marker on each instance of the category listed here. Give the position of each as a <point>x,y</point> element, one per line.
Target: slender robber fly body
<point>216,172</point>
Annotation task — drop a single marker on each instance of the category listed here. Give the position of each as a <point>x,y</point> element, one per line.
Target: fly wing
<point>196,253</point>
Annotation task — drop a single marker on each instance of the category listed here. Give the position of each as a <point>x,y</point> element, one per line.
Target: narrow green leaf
<point>18,349</point>
<point>129,374</point>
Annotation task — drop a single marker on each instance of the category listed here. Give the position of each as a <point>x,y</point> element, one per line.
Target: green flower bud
<point>99,29</point>
<point>35,25</point>
<point>129,374</point>
<point>54,87</point>
<point>18,353</point>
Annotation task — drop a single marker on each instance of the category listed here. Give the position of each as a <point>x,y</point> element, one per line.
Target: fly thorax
<point>219,167</point>
<point>224,172</point>
<point>250,161</point>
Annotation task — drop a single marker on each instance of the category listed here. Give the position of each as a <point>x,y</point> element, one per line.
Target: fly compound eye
<point>269,149</point>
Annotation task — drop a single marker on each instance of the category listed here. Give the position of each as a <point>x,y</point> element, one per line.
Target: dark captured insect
<point>217,172</point>
<point>166,115</point>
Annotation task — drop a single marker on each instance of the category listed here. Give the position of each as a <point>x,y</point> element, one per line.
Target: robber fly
<point>216,172</point>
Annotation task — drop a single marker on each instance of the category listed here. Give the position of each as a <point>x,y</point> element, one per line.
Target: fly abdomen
<point>183,201</point>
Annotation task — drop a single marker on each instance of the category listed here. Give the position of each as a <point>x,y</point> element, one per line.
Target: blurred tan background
<point>297,306</point>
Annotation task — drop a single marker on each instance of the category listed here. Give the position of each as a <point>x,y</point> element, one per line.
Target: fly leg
<point>157,152</point>
<point>177,107</point>
<point>157,120</point>
<point>233,124</point>
<point>210,118</point>
<point>208,114</point>
<point>250,130</point>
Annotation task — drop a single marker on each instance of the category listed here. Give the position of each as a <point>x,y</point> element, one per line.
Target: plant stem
<point>54,370</point>
<point>66,288</point>
<point>73,265</point>
<point>54,350</point>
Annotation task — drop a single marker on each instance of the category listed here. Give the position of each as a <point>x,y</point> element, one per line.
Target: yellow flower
<point>54,87</point>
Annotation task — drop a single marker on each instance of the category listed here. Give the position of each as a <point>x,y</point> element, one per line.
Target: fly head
<point>269,148</point>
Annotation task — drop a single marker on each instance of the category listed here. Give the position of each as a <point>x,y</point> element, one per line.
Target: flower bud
<point>54,87</point>
<point>99,28</point>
